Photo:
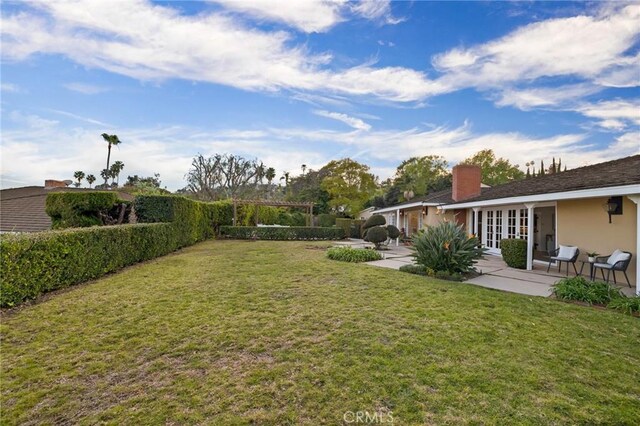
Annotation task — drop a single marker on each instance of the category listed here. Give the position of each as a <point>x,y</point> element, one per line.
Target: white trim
<point>406,206</point>
<point>554,196</point>
<point>636,199</point>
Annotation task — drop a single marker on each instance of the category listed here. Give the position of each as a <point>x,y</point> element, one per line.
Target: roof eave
<point>609,191</point>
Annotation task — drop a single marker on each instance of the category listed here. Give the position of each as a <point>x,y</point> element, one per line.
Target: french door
<point>509,222</point>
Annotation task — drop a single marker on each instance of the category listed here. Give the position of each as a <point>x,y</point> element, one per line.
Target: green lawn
<point>229,332</point>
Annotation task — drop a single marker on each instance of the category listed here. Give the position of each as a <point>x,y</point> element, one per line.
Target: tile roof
<point>22,209</point>
<point>624,171</point>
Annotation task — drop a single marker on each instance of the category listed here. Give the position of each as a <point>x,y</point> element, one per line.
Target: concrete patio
<point>495,273</point>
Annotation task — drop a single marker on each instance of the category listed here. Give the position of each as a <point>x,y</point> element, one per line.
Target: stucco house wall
<point>585,224</point>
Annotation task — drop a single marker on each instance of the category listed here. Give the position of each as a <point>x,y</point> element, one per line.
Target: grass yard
<point>240,332</point>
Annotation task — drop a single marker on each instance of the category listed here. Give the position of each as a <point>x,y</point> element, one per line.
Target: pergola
<point>236,203</point>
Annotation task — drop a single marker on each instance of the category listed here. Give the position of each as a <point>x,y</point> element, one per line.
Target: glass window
<point>490,234</point>
<point>524,224</point>
<point>511,224</point>
<point>498,227</point>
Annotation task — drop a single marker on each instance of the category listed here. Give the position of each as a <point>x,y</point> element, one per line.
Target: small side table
<point>591,268</point>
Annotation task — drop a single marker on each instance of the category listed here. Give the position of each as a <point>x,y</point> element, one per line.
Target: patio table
<point>591,268</point>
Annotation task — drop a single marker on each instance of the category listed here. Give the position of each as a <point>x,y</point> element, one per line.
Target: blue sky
<point>295,83</point>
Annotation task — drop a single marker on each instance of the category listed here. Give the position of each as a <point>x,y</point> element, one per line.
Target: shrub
<point>351,227</point>
<point>377,235</point>
<point>349,254</point>
<point>32,264</point>
<point>446,247</point>
<point>514,252</point>
<point>628,305</point>
<point>415,269</point>
<point>578,288</point>
<point>79,209</point>
<point>393,232</point>
<point>326,220</point>
<point>281,233</point>
<point>375,220</point>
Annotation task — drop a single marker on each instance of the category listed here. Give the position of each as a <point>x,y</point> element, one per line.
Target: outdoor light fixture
<point>613,206</point>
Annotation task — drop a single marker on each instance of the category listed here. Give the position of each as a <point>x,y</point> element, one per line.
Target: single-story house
<point>23,209</point>
<point>594,208</point>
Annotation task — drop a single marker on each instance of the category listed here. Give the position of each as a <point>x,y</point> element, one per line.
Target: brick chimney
<point>466,182</point>
<point>51,183</point>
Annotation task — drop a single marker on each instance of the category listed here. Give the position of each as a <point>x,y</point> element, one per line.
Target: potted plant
<point>592,256</point>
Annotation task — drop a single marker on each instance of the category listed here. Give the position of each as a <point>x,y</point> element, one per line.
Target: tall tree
<point>221,176</point>
<point>115,170</point>
<point>495,171</point>
<point>421,174</point>
<point>79,175</point>
<point>349,184</point>
<point>306,188</point>
<point>270,175</point>
<point>91,179</point>
<point>304,168</point>
<point>111,140</point>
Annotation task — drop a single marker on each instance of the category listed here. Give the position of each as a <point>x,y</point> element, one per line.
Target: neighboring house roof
<point>23,209</point>
<point>432,199</point>
<point>616,173</point>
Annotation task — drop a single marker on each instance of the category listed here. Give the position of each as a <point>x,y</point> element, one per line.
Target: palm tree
<point>270,175</point>
<point>79,175</point>
<point>106,174</point>
<point>260,171</point>
<point>115,170</point>
<point>304,168</point>
<point>285,176</point>
<point>111,140</point>
<point>91,179</point>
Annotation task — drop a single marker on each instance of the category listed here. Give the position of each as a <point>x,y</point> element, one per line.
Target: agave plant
<point>447,247</point>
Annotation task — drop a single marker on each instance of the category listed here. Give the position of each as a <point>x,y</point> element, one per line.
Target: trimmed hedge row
<point>281,233</point>
<point>31,264</point>
<point>79,209</point>
<point>36,263</point>
<point>194,220</point>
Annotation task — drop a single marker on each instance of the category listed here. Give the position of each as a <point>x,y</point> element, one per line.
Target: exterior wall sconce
<point>613,206</point>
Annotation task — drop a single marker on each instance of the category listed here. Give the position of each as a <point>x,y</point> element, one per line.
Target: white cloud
<point>375,10</point>
<point>536,97</point>
<point>10,88</point>
<point>614,114</point>
<point>356,123</point>
<point>305,15</point>
<point>86,89</point>
<point>626,144</point>
<point>592,48</point>
<point>32,121</point>
<point>211,47</point>
<point>581,45</point>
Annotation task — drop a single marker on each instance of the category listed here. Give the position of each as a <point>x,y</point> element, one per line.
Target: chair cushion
<point>567,252</point>
<point>617,256</point>
<point>602,265</point>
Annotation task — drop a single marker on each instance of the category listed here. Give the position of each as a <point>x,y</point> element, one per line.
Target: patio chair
<point>567,254</point>
<point>618,261</point>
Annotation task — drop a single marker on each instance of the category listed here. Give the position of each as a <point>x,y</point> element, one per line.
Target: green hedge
<point>281,233</point>
<point>194,220</point>
<point>32,264</point>
<point>326,220</point>
<point>514,252</point>
<point>352,227</point>
<point>40,262</point>
<point>79,209</point>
